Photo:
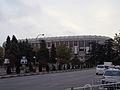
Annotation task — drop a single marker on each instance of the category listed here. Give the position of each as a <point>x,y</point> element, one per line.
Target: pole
<point>36,49</point>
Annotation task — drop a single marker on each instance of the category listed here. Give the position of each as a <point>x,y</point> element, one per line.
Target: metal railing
<point>110,86</point>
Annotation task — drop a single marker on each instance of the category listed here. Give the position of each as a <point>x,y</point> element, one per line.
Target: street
<point>56,81</point>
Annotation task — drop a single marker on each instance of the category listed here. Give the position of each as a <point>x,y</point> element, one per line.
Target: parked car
<point>100,69</point>
<point>111,76</point>
<point>117,67</point>
<point>112,67</point>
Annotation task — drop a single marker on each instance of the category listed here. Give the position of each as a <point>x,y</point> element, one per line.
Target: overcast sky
<point>28,18</point>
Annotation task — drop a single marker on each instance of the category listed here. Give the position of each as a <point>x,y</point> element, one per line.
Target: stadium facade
<point>79,45</point>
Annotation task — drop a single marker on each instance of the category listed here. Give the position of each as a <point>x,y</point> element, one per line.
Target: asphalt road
<point>57,81</point>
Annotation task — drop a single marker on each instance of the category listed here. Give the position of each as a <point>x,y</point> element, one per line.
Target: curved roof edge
<point>83,37</point>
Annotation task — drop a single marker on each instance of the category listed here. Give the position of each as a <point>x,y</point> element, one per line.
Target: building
<point>79,45</point>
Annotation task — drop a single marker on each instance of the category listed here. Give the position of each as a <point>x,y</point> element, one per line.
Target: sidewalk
<point>36,73</point>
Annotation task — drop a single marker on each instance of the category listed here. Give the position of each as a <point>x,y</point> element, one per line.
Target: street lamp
<point>35,57</point>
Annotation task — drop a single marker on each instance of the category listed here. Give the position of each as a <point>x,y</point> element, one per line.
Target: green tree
<point>43,55</point>
<point>116,60</point>
<point>7,46</point>
<point>53,55</point>
<point>11,52</point>
<point>1,56</point>
<point>110,53</point>
<point>117,43</point>
<point>63,53</point>
<point>75,60</point>
<point>101,53</point>
<point>1,52</point>
<point>26,50</point>
<point>14,54</point>
<point>14,39</point>
<point>97,54</point>
<point>7,53</point>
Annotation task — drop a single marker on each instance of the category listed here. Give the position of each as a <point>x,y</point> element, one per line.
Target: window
<point>112,73</point>
<point>48,44</point>
<point>81,49</point>
<point>75,43</point>
<point>71,44</point>
<point>81,43</point>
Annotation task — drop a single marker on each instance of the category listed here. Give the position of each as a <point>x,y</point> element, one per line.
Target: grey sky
<point>28,18</point>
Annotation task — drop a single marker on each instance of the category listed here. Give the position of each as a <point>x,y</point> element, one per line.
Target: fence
<point>110,86</point>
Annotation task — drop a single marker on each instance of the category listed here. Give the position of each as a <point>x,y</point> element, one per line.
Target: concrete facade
<point>80,45</point>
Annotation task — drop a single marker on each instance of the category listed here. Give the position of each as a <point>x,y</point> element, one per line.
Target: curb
<point>38,73</point>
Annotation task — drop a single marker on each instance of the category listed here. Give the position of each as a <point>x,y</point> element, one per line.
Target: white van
<point>100,69</point>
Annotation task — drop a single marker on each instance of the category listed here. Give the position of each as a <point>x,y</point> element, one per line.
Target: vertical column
<point>84,50</point>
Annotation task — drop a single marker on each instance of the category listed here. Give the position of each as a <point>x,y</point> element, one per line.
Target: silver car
<point>111,76</point>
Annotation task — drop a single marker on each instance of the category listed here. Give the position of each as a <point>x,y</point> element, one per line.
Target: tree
<point>26,50</point>
<point>43,55</point>
<point>116,60</point>
<point>97,54</point>
<point>14,40</point>
<point>110,53</point>
<point>7,53</point>
<point>1,56</point>
<point>14,54</point>
<point>63,53</point>
<point>53,55</point>
<point>75,60</point>
<point>7,46</point>
<point>101,53</point>
<point>1,52</point>
<point>117,43</point>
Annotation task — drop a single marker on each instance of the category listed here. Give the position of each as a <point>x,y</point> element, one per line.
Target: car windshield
<point>112,73</point>
<point>100,66</point>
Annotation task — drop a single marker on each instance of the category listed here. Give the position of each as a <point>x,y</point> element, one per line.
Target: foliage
<point>43,53</point>
<point>7,46</point>
<point>117,42</point>
<point>63,53</point>
<point>75,60</point>
<point>110,53</point>
<point>117,49</point>
<point>26,50</point>
<point>1,61</point>
<point>53,55</point>
<point>1,52</point>
<point>14,40</point>
<point>35,49</point>
<point>14,51</point>
<point>102,52</point>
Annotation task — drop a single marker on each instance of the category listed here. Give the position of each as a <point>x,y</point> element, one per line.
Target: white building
<point>79,44</point>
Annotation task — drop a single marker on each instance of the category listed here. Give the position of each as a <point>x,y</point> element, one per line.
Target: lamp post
<point>35,57</point>
<point>34,68</point>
